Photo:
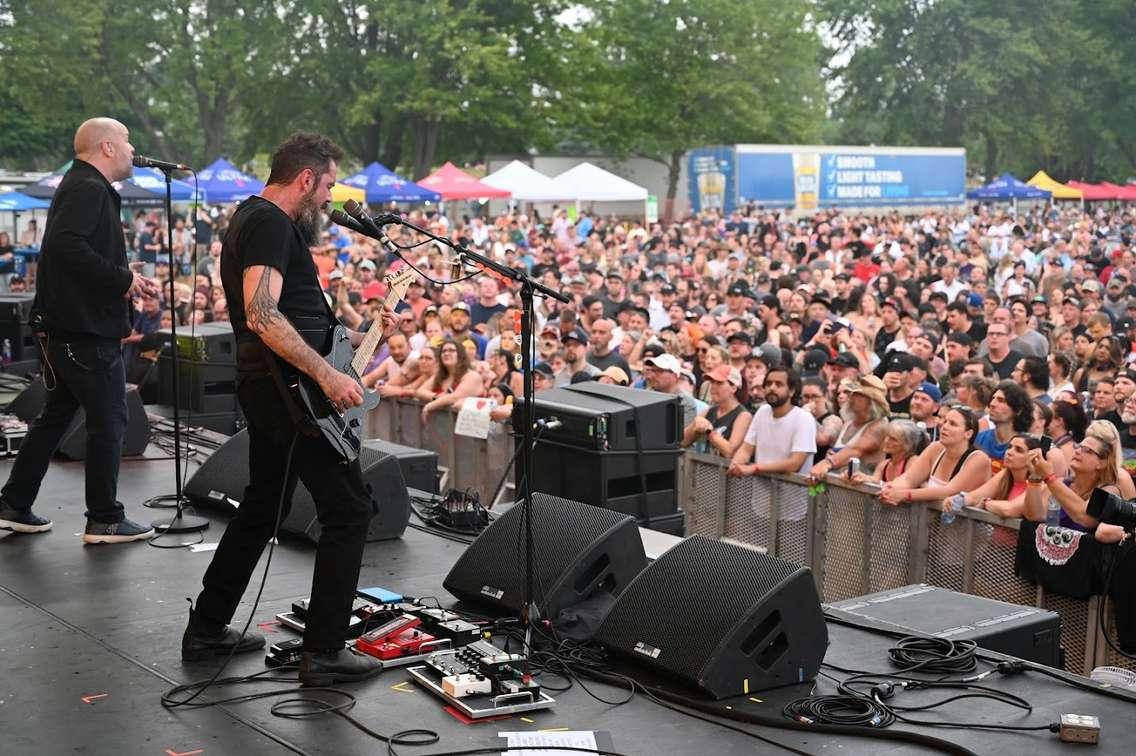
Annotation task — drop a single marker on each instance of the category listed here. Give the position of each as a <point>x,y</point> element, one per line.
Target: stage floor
<point>89,639</point>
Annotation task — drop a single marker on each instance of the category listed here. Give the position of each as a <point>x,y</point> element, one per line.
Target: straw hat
<point>871,387</point>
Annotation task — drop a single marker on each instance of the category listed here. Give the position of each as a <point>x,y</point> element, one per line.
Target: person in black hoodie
<point>81,312</point>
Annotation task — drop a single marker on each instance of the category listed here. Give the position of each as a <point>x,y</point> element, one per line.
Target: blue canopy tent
<point>16,202</point>
<point>382,185</point>
<point>222,182</point>
<point>1007,188</point>
<point>152,180</point>
<point>132,195</point>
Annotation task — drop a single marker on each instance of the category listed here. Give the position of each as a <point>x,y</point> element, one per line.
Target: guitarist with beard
<point>283,325</point>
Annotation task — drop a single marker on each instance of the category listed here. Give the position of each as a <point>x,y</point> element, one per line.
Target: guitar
<point>340,428</point>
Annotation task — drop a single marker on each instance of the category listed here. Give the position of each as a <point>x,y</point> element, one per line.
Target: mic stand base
<point>180,523</point>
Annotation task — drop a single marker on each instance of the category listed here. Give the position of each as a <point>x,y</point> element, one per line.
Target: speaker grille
<point>563,530</point>
<point>721,581</point>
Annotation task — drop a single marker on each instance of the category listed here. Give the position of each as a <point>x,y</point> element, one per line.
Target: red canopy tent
<point>454,184</point>
<point>1092,192</point>
<point>1121,191</point>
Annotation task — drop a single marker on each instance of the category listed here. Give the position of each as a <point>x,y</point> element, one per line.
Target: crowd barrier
<point>464,462</point>
<point>854,544</point>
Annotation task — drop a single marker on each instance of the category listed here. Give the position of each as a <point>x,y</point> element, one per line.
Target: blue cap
<point>975,300</point>
<point>931,390</point>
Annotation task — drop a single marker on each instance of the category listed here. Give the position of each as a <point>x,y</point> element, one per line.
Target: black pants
<point>343,505</point>
<point>80,374</point>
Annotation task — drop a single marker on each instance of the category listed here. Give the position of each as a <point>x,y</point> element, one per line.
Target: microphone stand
<point>180,522</point>
<point>528,291</point>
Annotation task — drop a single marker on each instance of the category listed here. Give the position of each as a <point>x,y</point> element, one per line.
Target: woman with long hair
<point>1061,340</point>
<point>453,379</point>
<point>1067,426</point>
<point>1106,360</point>
<point>975,392</point>
<point>1097,463</point>
<point>866,318</point>
<point>1005,493</point>
<point>946,466</point>
<point>721,429</point>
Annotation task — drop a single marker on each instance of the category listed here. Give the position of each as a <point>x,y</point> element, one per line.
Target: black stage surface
<point>89,640</point>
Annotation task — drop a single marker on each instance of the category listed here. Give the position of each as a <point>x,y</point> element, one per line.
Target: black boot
<point>205,640</point>
<point>319,668</point>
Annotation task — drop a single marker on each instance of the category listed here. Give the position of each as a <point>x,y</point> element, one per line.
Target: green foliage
<point>1023,85</point>
<point>656,78</point>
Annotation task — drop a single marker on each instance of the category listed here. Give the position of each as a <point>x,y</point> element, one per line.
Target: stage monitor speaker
<point>220,482</point>
<point>721,617</point>
<point>29,403</point>
<point>578,550</point>
<point>610,479</point>
<point>607,417</point>
<point>134,440</point>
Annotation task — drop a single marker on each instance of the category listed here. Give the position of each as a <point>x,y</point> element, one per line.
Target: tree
<point>384,76</point>
<point>1020,84</point>
<point>654,79</point>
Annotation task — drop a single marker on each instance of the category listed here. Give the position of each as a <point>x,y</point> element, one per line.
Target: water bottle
<point>956,503</point>
<point>6,351</point>
<point>1053,513</point>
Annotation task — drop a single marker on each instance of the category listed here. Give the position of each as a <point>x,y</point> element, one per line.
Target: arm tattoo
<point>265,320</point>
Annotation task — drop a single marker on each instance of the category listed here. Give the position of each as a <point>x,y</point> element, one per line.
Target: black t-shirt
<point>479,313</point>
<point>901,409</point>
<point>1006,366</point>
<point>260,233</point>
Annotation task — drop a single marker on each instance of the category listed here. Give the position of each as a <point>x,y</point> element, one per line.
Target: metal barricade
<point>856,545</point>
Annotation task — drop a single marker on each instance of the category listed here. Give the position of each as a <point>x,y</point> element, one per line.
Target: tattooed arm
<point>262,286</point>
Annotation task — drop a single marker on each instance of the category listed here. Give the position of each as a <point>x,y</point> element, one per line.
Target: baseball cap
<point>664,361</point>
<point>550,328</point>
<point>575,334</point>
<point>668,289</point>
<point>366,265</point>
<point>959,337</point>
<point>738,288</point>
<point>899,362</point>
<point>1090,284</point>
<point>616,374</point>
<point>975,300</point>
<point>654,349</point>
<point>769,354</point>
<point>335,275</point>
<point>771,301</point>
<point>614,274</point>
<point>931,390</point>
<point>846,360</point>
<point>740,336</point>
<point>724,374</point>
<point>813,361</point>
<point>544,369</point>
<point>462,306</point>
<point>891,303</point>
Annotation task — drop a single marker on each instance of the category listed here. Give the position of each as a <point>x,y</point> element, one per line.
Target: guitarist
<point>283,323</point>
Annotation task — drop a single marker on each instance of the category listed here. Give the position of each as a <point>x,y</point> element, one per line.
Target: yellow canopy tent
<point>340,193</point>
<point>1043,180</point>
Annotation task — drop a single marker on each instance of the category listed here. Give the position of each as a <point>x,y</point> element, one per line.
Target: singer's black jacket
<point>83,276</point>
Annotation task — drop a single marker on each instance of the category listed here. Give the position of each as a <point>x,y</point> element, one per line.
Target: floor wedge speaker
<point>219,484</point>
<point>578,551</point>
<point>134,438</point>
<point>721,617</point>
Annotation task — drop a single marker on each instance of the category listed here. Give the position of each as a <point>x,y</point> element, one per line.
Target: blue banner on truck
<point>811,177</point>
<point>713,179</point>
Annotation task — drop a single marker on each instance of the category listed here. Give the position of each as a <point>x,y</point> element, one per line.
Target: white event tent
<point>528,184</point>
<point>590,183</point>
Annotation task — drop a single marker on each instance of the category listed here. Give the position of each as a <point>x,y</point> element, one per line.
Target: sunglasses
<point>1085,447</point>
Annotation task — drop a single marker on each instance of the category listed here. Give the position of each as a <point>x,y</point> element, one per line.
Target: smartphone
<point>1046,445</point>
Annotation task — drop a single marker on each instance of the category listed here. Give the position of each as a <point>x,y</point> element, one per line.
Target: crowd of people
<point>968,352</point>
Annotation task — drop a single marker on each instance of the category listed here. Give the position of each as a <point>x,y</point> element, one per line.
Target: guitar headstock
<point>399,281</point>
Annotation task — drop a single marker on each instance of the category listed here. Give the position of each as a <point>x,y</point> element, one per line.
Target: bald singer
<point>81,312</point>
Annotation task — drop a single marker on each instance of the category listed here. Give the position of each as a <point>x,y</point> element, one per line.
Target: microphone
<point>550,424</point>
<point>355,210</point>
<point>141,161</point>
<point>343,219</point>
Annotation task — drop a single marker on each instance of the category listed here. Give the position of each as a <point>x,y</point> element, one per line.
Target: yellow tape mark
<point>526,719</point>
<point>756,700</point>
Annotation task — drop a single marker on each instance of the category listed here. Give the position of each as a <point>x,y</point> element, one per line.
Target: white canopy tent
<point>528,184</point>
<point>590,183</point>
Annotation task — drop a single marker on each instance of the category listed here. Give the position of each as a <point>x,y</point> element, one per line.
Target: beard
<point>1128,419</point>
<point>775,401</point>
<point>309,218</point>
